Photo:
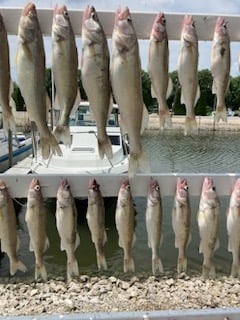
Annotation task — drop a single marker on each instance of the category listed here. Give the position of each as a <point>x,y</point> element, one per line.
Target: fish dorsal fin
<point>214,89</point>
<point>105,237</point>
<point>46,245</point>
<point>198,93</point>
<point>170,87</point>
<point>153,94</point>
<point>77,242</point>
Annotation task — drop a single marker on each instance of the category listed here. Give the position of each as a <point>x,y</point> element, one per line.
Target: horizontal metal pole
<point>143,22</point>
<point>109,184</point>
<point>206,314</point>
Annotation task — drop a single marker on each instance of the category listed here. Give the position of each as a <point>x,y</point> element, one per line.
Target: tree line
<point>205,104</point>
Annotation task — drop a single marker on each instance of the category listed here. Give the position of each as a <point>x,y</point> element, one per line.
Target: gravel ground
<point>114,293</point>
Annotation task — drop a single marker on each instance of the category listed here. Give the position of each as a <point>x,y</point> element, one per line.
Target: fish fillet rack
<point>18,184</point>
<point>143,22</point>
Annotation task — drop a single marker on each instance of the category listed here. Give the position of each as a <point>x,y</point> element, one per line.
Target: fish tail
<point>72,269</point>
<point>105,148</point>
<point>182,265</point>
<point>48,144</point>
<point>165,119</point>
<point>221,114</point>
<point>128,265</point>
<point>157,266</point>
<point>140,162</point>
<point>190,126</point>
<point>208,272</point>
<point>101,262</point>
<point>17,265</point>
<point>40,272</point>
<point>62,134</point>
<point>235,271</point>
<point>9,121</point>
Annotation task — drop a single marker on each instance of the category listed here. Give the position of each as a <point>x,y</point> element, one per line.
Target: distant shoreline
<point>204,122</point>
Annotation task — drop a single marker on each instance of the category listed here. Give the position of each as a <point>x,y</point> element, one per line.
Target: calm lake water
<point>209,152</point>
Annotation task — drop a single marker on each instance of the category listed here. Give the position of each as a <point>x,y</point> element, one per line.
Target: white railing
<point>18,184</point>
<point>143,22</point>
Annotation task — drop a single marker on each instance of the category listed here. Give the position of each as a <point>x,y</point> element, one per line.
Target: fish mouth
<point>93,185</point>
<point>29,10</point>
<point>60,20</point>
<point>123,20</point>
<point>90,19</point>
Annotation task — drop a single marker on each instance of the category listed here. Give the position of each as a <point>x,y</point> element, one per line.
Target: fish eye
<point>157,188</point>
<point>129,19</point>
<point>213,188</point>
<point>128,187</point>
<point>164,20</point>
<point>65,14</point>
<point>186,188</point>
<point>68,187</point>
<point>95,188</point>
<point>93,15</point>
<point>31,14</point>
<point>37,187</point>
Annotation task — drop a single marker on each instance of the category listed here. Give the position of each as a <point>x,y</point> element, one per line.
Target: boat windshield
<point>83,117</point>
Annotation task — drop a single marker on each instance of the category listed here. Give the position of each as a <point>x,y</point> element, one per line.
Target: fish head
<point>34,192</point>
<point>159,32</point>
<point>124,32</point>
<point>189,34</point>
<point>28,23</point>
<point>93,185</point>
<point>182,191</point>
<point>93,191</point>
<point>64,194</point>
<point>153,192</point>
<point>220,31</point>
<point>124,195</point>
<point>91,25</point>
<point>2,27</point>
<point>209,192</point>
<point>3,194</point>
<point>61,23</point>
<point>236,192</point>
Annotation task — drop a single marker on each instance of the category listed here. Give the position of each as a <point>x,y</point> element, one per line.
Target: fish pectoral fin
<point>149,243</point>
<point>134,239</point>
<point>18,243</point>
<point>31,246</point>
<point>120,243</point>
<point>161,241</point>
<point>141,163</point>
<point>27,51</point>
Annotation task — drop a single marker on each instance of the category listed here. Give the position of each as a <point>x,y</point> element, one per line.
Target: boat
<point>20,148</point>
<point>82,156</point>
